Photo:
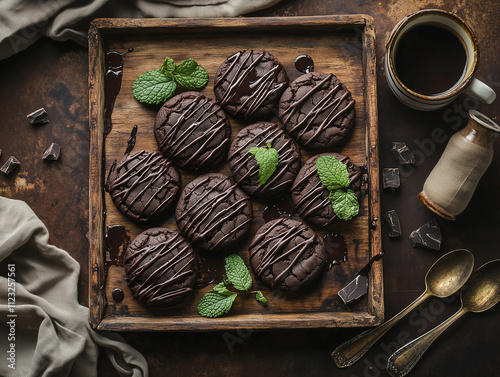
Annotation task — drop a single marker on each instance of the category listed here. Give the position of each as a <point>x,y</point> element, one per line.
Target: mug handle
<point>481,91</point>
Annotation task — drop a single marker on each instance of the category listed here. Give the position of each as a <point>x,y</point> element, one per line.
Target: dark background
<point>54,75</point>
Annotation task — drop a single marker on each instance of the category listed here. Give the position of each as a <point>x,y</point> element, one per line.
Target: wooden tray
<point>343,45</point>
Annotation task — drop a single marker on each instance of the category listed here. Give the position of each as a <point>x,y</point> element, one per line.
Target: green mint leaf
<point>153,87</point>
<point>267,159</point>
<point>190,75</point>
<point>186,67</point>
<point>214,304</point>
<point>260,297</point>
<point>221,288</point>
<point>168,66</point>
<point>237,272</point>
<point>345,204</point>
<point>332,172</point>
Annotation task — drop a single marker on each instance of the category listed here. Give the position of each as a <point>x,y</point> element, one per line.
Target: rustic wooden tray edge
<point>97,298</point>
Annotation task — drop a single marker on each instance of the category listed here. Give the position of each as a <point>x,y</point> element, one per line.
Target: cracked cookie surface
<point>143,185</point>
<point>311,198</point>
<point>317,110</point>
<point>213,213</point>
<point>193,131</point>
<point>161,267</point>
<point>286,254</point>
<point>244,166</point>
<point>249,83</point>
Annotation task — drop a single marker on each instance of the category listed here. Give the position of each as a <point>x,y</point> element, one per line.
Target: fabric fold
<point>47,331</point>
<point>23,22</point>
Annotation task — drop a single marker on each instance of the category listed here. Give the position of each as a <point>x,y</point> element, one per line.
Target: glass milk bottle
<point>451,184</point>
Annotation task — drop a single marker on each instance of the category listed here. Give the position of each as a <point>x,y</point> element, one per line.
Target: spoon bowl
<point>445,277</point>
<point>449,273</point>
<point>480,293</point>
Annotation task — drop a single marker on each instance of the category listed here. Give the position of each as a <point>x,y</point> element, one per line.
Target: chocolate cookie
<point>287,254</point>
<point>212,212</point>
<point>317,110</point>
<point>143,185</point>
<point>161,267</point>
<point>249,83</point>
<point>192,130</point>
<point>311,198</point>
<point>244,166</point>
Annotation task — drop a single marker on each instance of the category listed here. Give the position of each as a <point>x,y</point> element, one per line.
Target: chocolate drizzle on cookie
<point>246,170</point>
<point>157,271</point>
<point>249,88</point>
<point>214,212</point>
<point>144,179</point>
<point>289,244</point>
<point>315,199</point>
<point>335,106</point>
<point>185,142</point>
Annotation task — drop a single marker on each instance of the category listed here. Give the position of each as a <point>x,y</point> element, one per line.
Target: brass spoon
<point>445,277</point>
<point>481,293</point>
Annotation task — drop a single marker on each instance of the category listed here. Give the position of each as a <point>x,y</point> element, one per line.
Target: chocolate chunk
<point>11,164</point>
<point>392,219</point>
<point>391,178</point>
<point>402,154</point>
<point>52,153</point>
<point>356,289</point>
<point>0,152</point>
<point>39,116</point>
<point>428,236</point>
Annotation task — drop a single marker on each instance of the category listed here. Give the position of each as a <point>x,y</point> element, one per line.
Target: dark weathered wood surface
<point>54,75</point>
<point>343,45</point>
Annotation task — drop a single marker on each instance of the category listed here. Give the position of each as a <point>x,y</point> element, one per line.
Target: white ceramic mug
<point>466,84</point>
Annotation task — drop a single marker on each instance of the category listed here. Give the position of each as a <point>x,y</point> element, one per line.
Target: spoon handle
<point>351,351</point>
<point>401,362</point>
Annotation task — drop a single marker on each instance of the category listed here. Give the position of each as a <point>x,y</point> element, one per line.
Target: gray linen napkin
<point>43,330</point>
<point>22,22</point>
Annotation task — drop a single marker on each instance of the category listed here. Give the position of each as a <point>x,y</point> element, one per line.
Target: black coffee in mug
<point>430,59</point>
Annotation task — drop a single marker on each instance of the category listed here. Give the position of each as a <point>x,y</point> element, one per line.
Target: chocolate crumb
<point>392,219</point>
<point>391,178</point>
<point>39,116</point>
<point>10,165</point>
<point>402,154</point>
<point>428,236</point>
<point>118,295</point>
<point>52,153</point>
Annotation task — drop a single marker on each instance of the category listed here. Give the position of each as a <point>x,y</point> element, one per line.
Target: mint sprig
<point>345,203</point>
<point>267,160</point>
<point>237,273</point>
<point>190,75</point>
<point>219,300</point>
<point>335,177</point>
<point>157,86</point>
<point>332,172</point>
<point>259,296</point>
<point>214,304</point>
